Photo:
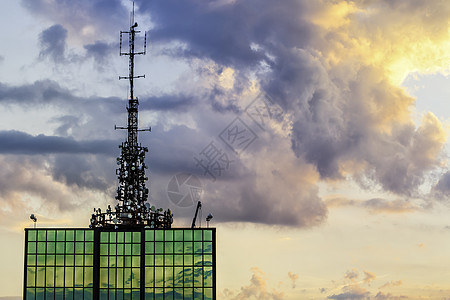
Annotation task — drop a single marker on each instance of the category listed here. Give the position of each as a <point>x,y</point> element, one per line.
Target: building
<point>129,252</point>
<point>74,263</point>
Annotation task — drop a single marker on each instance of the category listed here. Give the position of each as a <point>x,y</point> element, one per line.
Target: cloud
<point>368,277</point>
<point>377,205</point>
<point>293,277</point>
<point>391,284</point>
<point>53,43</point>
<point>256,289</point>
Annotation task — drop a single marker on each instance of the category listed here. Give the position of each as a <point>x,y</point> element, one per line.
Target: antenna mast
<point>133,210</point>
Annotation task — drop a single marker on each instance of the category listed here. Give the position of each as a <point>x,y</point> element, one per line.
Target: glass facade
<point>119,264</point>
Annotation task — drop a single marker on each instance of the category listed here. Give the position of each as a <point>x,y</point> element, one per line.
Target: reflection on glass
<point>198,276</point>
<point>50,274</point>
<point>149,279</point>
<point>78,276</point>
<point>69,276</point>
<point>88,276</point>
<point>159,276</point>
<point>208,276</point>
<point>40,260</point>
<point>59,278</point>
<point>40,276</point>
<point>50,260</point>
<point>31,275</point>
<point>119,275</point>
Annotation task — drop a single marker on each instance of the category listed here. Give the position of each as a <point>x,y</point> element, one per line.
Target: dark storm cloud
<point>53,43</point>
<point>167,102</point>
<point>16,142</point>
<point>442,189</point>
<point>100,51</point>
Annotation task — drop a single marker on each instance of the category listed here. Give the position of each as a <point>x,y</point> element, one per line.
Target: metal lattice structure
<point>133,210</point>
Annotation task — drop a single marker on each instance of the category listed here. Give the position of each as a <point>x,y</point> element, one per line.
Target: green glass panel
<point>150,247</point>
<point>208,261</point>
<point>208,276</point>
<point>159,235</point>
<point>198,276</point>
<point>70,247</point>
<point>120,250</point>
<point>127,249</point>
<point>149,294</point>
<point>59,293</point>
<point>103,261</point>
<point>178,294</point>
<point>159,260</point>
<point>136,277</point>
<point>136,237</point>
<point>136,249</point>
<point>50,260</point>
<point>149,278</point>
<point>178,260</point>
<point>31,260</point>
<point>61,235</point>
<point>50,274</point>
<point>79,235</point>
<point>136,261</point>
<point>79,276</point>
<point>159,247</point>
<point>42,235</point>
<point>60,247</point>
<point>127,278</point>
<point>103,294</point>
<point>79,247</point>
<point>104,237</point>
<point>59,280</point>
<point>207,247</point>
<point>40,260</point>
<point>50,247</point>
<point>89,235</point>
<point>41,247</point>
<point>112,295</point>
<point>178,247</point>
<point>198,235</point>
<point>168,294</point>
<point>112,278</point>
<point>168,247</point>
<point>31,276</point>
<point>198,247</point>
<point>178,276</point>
<point>69,276</point>
<point>188,277</point>
<point>198,260</point>
<point>119,276</point>
<point>79,260</point>
<point>198,295</point>
<point>127,261</point>
<point>119,261</point>
<point>103,277</point>
<point>188,260</point>
<point>149,235</point>
<point>59,260</point>
<point>51,235</point>
<point>159,294</point>
<point>159,276</point>
<point>208,293</point>
<point>69,260</point>
<point>168,260</point>
<point>31,235</point>
<point>149,260</point>
<point>112,249</point>
<point>113,237</point>
<point>136,295</point>
<point>112,261</point>
<point>88,277</point>
<point>78,293</point>
<point>188,247</point>
<point>88,260</point>
<point>40,294</point>
<point>168,235</point>
<point>120,237</point>
<point>31,247</point>
<point>70,235</point>
<point>207,235</point>
<point>127,237</point>
<point>127,294</point>
<point>103,249</point>
<point>31,295</point>
<point>168,276</point>
<point>119,295</point>
<point>178,235</point>
<point>68,294</point>
<point>188,235</point>
<point>89,247</point>
<point>88,294</point>
<point>188,294</point>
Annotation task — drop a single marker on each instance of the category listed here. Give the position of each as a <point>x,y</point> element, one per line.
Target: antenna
<point>132,194</point>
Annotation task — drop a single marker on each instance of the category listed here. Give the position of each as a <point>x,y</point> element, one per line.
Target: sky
<point>318,131</point>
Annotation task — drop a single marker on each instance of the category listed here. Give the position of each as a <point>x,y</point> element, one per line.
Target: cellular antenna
<point>133,210</point>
